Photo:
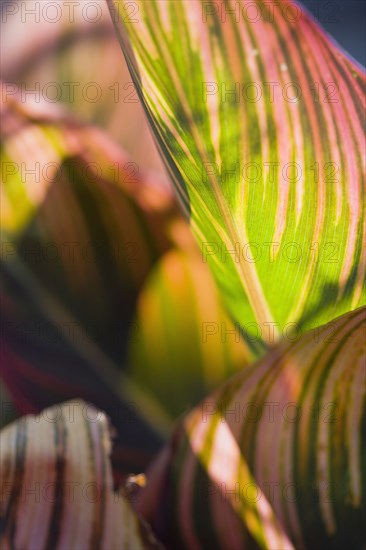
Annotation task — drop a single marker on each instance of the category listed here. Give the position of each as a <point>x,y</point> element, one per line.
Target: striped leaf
<point>182,344</point>
<point>79,235</point>
<point>259,118</point>
<point>276,457</point>
<point>57,487</point>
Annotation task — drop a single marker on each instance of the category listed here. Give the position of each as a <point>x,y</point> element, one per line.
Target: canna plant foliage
<point>259,119</point>
<point>260,123</point>
<point>274,458</point>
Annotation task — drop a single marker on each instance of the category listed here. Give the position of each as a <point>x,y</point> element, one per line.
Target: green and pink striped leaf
<point>259,117</point>
<point>276,457</point>
<point>57,486</point>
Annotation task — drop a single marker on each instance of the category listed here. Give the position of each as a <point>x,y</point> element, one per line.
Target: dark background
<point>345,20</point>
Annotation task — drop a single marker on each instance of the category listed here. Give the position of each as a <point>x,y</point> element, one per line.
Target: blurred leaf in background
<point>67,52</point>
<point>82,217</point>
<point>187,345</point>
<point>77,244</point>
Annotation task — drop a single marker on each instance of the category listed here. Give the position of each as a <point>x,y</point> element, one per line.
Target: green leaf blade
<point>261,124</point>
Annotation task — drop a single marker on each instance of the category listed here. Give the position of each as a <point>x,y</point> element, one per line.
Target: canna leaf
<point>184,344</point>
<point>81,228</point>
<point>276,457</point>
<point>259,118</point>
<point>82,218</point>
<point>57,487</point>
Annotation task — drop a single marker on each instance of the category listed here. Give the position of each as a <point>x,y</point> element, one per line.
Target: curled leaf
<point>275,458</point>
<point>57,487</point>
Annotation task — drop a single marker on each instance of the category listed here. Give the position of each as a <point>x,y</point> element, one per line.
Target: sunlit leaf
<point>57,487</point>
<point>259,117</point>
<point>276,457</point>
